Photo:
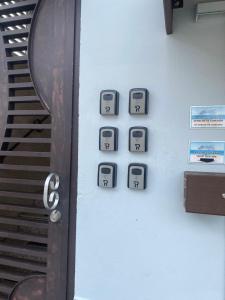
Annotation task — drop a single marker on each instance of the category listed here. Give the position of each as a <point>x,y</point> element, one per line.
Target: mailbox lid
<point>203,193</point>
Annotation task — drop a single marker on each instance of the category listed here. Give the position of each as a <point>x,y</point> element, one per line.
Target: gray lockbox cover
<point>109,103</point>
<point>138,139</point>
<point>107,175</point>
<point>108,139</point>
<point>137,174</point>
<point>138,102</point>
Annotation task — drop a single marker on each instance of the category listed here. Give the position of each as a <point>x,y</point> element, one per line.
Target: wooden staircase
<point>24,156</point>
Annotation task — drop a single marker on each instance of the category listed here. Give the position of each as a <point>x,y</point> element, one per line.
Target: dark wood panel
<point>24,154</point>
<point>52,56</point>
<point>28,113</point>
<point>4,91</point>
<point>71,278</point>
<point>19,195</point>
<point>168,13</point>
<point>21,222</point>
<point>28,140</point>
<point>25,264</point>
<point>23,250</point>
<point>24,98</point>
<point>20,72</point>
<point>25,168</point>
<point>29,126</point>
<point>28,182</point>
<point>21,85</point>
<point>12,276</point>
<point>204,193</point>
<point>6,288</point>
<point>3,297</point>
<point>22,208</point>
<point>23,237</point>
<point>34,286</point>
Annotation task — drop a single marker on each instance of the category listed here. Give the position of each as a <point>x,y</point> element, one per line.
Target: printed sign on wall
<point>208,116</point>
<point>207,152</point>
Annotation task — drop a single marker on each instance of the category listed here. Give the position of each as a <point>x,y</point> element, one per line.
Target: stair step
<point>29,126</point>
<point>24,99</point>
<point>28,112</point>
<point>24,154</point>
<point>19,72</point>
<point>21,85</point>
<point>17,33</point>
<point>18,20</point>
<point>25,168</point>
<point>27,140</point>
<point>14,59</point>
<point>17,46</point>
<point>17,7</point>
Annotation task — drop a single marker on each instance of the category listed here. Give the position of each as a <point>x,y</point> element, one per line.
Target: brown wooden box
<point>204,193</point>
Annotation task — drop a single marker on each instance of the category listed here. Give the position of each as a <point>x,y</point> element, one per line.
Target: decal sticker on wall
<point>207,152</point>
<point>208,116</point>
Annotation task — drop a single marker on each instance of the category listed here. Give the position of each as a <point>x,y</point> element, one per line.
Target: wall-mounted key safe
<point>107,175</point>
<point>137,176</point>
<point>108,139</point>
<point>138,139</point>
<point>138,102</point>
<point>109,103</point>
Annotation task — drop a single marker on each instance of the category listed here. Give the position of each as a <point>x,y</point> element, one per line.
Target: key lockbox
<point>138,101</point>
<point>107,175</point>
<point>109,102</point>
<point>138,139</point>
<point>137,176</point>
<point>108,139</point>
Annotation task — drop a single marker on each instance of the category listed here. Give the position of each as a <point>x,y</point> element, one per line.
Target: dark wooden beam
<point>168,11</point>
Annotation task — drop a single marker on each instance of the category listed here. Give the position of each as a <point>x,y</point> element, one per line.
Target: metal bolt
<point>223,196</point>
<point>178,3</point>
<point>55,216</point>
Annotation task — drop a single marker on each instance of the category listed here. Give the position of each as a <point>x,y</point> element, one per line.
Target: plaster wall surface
<point>142,245</point>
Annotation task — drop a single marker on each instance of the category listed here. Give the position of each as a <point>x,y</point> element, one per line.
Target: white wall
<point>142,245</point>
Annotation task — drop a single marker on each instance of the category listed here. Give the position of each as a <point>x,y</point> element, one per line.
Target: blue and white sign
<point>208,116</point>
<point>207,152</point>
